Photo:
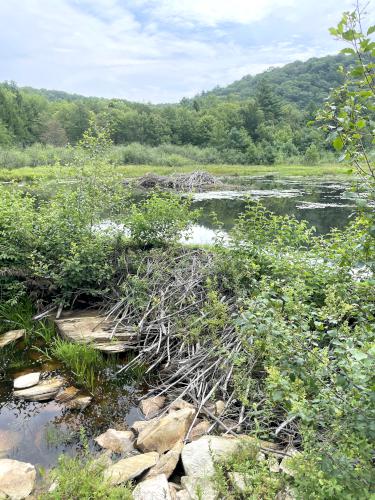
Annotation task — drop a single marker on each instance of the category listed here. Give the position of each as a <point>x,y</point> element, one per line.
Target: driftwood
<point>195,181</point>
<point>198,367</point>
<point>95,330</point>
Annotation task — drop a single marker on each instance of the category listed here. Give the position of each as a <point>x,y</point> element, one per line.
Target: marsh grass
<point>81,359</point>
<point>132,171</point>
<point>20,316</point>
<point>17,316</point>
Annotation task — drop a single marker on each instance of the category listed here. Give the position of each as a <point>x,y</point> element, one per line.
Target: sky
<point>157,50</point>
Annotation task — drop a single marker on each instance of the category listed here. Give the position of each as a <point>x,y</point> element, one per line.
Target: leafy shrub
<point>311,156</point>
<point>81,478</point>
<point>160,220</point>
<point>259,482</point>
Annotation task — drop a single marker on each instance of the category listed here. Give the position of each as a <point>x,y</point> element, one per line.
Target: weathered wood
<point>93,329</point>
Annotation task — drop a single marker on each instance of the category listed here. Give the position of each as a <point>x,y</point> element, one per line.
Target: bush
<point>312,155</point>
<point>81,478</point>
<point>160,220</point>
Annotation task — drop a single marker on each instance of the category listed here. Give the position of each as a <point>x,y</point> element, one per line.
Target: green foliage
<point>81,478</point>
<point>260,483</point>
<point>160,220</point>
<point>308,344</point>
<point>56,240</point>
<point>223,126</point>
<point>348,116</point>
<point>83,360</point>
<point>311,155</point>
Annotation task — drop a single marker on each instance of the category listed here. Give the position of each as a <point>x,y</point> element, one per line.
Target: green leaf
<point>371,30</point>
<point>338,143</point>
<point>361,123</point>
<point>348,51</point>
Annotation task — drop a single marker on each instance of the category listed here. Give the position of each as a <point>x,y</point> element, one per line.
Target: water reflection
<point>323,204</point>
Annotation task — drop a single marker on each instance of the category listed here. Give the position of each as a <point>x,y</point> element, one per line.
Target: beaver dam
<point>169,367</point>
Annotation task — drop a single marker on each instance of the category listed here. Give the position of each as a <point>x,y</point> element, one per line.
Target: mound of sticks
<point>180,182</point>
<point>175,344</point>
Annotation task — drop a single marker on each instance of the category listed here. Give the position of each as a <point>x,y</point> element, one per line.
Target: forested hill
<point>261,119</point>
<point>302,83</point>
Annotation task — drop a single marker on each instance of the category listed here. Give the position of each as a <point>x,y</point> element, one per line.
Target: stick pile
<point>181,182</point>
<point>200,368</point>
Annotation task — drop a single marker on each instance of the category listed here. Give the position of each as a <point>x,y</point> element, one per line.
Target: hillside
<point>259,119</point>
<point>301,83</point>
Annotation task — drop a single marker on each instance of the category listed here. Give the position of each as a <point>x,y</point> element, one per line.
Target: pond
<point>38,432</point>
<point>324,204</point>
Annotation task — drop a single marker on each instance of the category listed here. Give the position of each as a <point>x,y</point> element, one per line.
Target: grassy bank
<point>131,171</point>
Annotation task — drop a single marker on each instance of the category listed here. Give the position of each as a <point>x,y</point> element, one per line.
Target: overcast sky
<point>157,50</point>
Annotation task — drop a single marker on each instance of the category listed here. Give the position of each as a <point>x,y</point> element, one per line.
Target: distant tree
<point>5,137</point>
<point>269,102</point>
<point>311,156</point>
<point>54,133</point>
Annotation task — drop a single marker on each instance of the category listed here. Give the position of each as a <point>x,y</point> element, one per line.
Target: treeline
<point>263,128</point>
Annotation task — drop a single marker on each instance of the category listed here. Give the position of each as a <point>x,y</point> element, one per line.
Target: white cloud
<point>213,12</point>
<point>139,50</point>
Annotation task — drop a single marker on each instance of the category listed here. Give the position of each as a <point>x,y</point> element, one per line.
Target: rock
<point>174,488</point>
<point>139,425</point>
<point>93,329</point>
<point>167,463</point>
<point>238,480</point>
<point>47,389</point>
<point>287,494</point>
<point>198,456</point>
<point>117,441</point>
<point>199,430</point>
<point>79,403</point>
<point>130,468</point>
<point>104,459</point>
<point>285,462</point>
<point>165,432</point>
<point>67,394</point>
<point>183,495</point>
<point>151,406</point>
<point>180,404</point>
<point>155,488</point>
<point>53,487</point>
<point>25,381</point>
<point>17,479</point>
<point>11,336</point>
<point>199,488</point>
<point>274,465</point>
<point>8,441</point>
<point>219,407</point>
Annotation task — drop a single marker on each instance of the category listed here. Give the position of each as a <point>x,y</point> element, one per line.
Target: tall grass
<point>81,359</point>
<point>167,155</point>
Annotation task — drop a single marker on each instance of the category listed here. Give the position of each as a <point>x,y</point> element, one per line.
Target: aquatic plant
<point>81,359</point>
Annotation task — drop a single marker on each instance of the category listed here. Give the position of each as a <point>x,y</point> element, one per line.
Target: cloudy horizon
<point>157,50</point>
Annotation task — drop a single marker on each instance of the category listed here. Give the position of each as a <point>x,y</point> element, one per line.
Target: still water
<point>324,204</point>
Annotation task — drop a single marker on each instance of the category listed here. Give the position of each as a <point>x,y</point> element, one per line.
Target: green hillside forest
<point>256,120</point>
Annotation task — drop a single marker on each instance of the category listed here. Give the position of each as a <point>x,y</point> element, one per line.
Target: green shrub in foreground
<point>160,220</point>
<point>81,478</point>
